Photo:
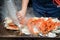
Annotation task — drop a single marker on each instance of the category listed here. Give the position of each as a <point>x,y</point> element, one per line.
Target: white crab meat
<point>35,29</point>
<point>55,20</point>
<point>7,20</point>
<point>50,34</point>
<point>56,31</point>
<point>25,31</point>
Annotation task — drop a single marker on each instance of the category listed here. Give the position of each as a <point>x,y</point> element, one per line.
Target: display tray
<point>16,34</point>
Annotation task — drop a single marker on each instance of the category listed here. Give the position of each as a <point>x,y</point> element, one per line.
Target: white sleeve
<point>11,8</point>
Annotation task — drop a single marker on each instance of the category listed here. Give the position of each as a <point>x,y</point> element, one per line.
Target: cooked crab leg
<point>29,24</point>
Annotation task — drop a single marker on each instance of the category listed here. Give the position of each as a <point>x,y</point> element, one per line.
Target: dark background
<point>30,3</point>
<point>1,4</point>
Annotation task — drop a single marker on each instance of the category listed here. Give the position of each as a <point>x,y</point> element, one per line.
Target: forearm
<point>24,4</point>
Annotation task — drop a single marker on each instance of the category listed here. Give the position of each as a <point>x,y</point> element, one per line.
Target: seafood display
<point>42,26</point>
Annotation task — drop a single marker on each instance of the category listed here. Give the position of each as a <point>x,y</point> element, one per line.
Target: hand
<point>21,16</point>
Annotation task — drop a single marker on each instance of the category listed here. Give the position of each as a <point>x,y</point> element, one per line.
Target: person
<point>42,8</point>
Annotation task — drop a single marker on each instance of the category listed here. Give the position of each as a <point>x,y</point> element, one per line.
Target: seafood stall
<point>30,26</point>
